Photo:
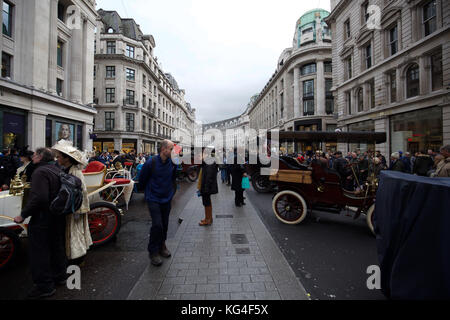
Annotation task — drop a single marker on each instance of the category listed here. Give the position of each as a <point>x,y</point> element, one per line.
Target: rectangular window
<point>144,123</point>
<point>348,68</point>
<point>59,87</point>
<point>368,56</point>
<point>372,93</point>
<point>109,121</point>
<point>110,95</point>
<point>308,69</point>
<point>110,47</point>
<point>328,66</point>
<point>60,54</point>
<point>366,11</point>
<point>6,65</point>
<point>131,74</point>
<point>130,51</point>
<point>393,40</point>
<point>429,17</point>
<point>329,106</point>
<point>347,29</point>
<point>308,88</point>
<point>308,107</point>
<point>144,101</point>
<point>348,99</point>
<point>393,86</point>
<point>110,72</point>
<point>61,11</point>
<point>130,97</point>
<point>436,71</point>
<point>130,122</point>
<point>7,18</point>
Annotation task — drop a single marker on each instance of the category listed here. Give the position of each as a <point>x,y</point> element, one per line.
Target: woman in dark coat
<point>208,186</point>
<point>237,172</point>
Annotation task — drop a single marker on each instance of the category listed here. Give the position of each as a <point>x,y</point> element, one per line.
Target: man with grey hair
<point>157,178</point>
<point>397,164</point>
<point>443,167</point>
<point>46,230</point>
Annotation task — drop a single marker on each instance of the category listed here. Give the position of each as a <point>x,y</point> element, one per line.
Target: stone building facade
<point>391,71</point>
<point>298,95</point>
<point>46,82</point>
<point>138,104</point>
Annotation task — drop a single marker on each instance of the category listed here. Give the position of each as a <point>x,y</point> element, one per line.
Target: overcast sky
<point>220,52</point>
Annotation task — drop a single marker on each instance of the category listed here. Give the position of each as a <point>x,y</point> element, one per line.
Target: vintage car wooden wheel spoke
<point>289,207</point>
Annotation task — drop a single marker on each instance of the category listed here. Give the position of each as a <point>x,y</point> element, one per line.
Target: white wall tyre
<point>369,218</point>
<point>289,207</point>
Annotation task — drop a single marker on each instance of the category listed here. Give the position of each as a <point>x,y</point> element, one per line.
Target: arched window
<point>110,30</point>
<point>360,101</point>
<point>412,81</point>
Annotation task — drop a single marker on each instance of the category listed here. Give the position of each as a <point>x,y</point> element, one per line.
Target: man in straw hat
<point>46,231</point>
<point>78,236</point>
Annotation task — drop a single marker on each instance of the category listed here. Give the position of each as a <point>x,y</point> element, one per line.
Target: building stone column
<point>36,130</point>
<point>1,24</point>
<point>296,92</point>
<point>320,91</point>
<point>382,125</point>
<point>400,78</point>
<point>446,123</point>
<point>53,47</point>
<point>76,64</point>
<point>87,141</point>
<point>118,144</point>
<point>424,75</point>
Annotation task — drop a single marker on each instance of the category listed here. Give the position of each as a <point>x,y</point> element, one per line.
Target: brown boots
<point>208,217</point>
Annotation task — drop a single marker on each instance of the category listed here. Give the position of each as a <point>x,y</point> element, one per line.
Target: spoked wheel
<point>261,184</point>
<point>289,207</point>
<point>192,174</point>
<point>104,222</point>
<point>370,218</point>
<point>9,245</point>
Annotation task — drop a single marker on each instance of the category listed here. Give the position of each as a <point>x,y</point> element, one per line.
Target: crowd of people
<point>355,167</point>
<point>56,239</point>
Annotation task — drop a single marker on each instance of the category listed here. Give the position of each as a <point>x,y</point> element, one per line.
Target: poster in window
<point>64,131</point>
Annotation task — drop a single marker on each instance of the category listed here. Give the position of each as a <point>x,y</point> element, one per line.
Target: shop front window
<point>365,126</point>
<point>417,130</point>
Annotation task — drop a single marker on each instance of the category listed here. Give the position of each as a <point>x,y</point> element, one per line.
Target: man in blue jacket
<point>157,178</point>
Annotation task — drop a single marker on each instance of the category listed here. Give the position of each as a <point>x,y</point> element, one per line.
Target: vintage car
<point>301,188</point>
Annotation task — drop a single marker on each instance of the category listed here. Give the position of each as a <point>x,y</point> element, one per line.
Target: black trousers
<point>160,224</point>
<point>48,260</point>
<point>206,200</point>
<point>239,197</point>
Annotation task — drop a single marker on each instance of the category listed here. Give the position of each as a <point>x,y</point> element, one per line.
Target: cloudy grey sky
<point>220,52</point>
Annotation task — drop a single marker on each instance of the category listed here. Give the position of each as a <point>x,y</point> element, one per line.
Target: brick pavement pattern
<point>233,259</point>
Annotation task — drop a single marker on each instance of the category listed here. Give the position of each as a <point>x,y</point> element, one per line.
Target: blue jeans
<point>160,223</point>
<point>223,173</point>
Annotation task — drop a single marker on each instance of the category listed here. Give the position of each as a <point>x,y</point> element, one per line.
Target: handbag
<point>245,183</point>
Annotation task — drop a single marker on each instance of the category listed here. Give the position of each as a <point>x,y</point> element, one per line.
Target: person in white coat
<point>78,236</point>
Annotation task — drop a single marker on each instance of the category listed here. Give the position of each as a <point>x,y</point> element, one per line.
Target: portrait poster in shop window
<point>64,131</point>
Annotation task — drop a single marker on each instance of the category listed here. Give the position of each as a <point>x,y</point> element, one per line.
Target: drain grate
<point>242,250</point>
<point>224,216</point>
<point>238,238</point>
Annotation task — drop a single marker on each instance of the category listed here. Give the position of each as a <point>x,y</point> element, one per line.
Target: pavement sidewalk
<point>234,259</point>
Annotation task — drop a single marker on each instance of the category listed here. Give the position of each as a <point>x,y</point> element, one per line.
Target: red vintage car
<point>301,187</point>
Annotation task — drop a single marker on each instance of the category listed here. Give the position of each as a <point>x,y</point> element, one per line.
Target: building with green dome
<point>311,28</point>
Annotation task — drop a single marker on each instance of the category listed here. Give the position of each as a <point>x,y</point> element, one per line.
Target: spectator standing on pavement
<point>423,164</point>
<point>158,179</point>
<point>397,164</point>
<point>46,231</point>
<point>27,168</point>
<point>208,186</point>
<point>237,173</point>
<point>9,164</point>
<point>78,235</point>
<point>443,167</point>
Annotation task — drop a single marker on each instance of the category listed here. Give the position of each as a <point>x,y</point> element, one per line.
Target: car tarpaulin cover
<point>412,226</point>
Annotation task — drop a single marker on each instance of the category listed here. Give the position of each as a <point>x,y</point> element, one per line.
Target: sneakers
<point>36,293</point>
<point>155,260</point>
